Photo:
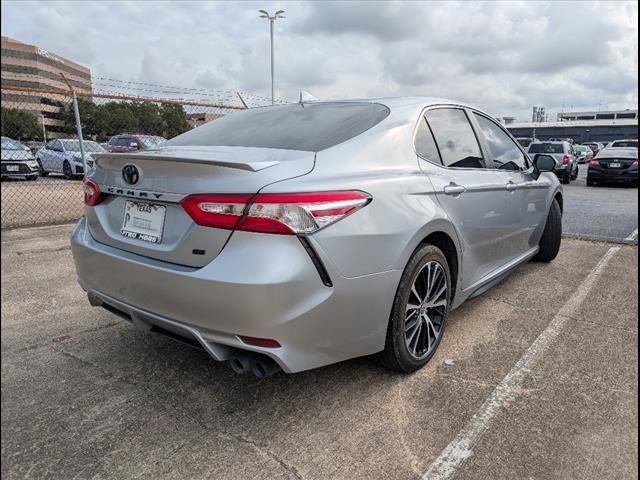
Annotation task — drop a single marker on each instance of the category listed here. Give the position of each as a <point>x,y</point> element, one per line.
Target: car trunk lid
<point>169,174</point>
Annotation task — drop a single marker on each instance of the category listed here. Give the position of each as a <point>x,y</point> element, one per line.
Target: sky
<point>503,57</point>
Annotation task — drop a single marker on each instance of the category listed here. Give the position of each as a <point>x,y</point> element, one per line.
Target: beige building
<point>26,67</point>
<point>197,119</point>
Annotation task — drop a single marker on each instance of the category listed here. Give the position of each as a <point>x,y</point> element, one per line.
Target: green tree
<point>149,118</point>
<point>89,117</point>
<point>174,119</point>
<point>117,117</point>
<point>20,124</point>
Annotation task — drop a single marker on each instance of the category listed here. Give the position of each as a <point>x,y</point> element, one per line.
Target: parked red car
<point>133,142</point>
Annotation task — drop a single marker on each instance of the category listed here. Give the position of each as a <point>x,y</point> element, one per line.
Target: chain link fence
<point>42,166</point>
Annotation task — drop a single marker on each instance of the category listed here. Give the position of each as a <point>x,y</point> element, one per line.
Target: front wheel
<point>43,172</point>
<point>66,170</point>
<point>419,312</point>
<point>552,235</point>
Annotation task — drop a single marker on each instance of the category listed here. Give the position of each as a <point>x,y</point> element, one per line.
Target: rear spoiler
<point>188,156</point>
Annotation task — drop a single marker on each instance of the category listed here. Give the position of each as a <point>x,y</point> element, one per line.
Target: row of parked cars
<point>615,162</point>
<point>62,156</point>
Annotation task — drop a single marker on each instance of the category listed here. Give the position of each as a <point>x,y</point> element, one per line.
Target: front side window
<point>506,155</point>
<point>425,144</point>
<point>454,136</point>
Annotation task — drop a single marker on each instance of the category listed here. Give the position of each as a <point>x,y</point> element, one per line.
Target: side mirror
<point>543,163</point>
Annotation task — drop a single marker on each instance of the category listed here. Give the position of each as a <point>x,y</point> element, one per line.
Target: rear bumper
<point>610,175</point>
<point>260,285</point>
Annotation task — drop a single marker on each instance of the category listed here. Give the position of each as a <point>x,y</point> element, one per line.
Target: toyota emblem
<point>131,174</point>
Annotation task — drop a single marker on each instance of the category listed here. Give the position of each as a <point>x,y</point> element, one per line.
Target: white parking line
<point>461,448</point>
<point>632,237</point>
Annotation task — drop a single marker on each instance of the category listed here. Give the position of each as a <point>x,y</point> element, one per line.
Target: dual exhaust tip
<point>261,366</point>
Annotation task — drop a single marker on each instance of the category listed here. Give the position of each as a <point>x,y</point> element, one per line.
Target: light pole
<point>265,14</point>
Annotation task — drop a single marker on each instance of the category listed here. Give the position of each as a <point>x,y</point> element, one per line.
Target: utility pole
<point>265,14</point>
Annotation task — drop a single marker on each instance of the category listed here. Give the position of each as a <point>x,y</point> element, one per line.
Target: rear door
<point>469,192</point>
<point>164,178</point>
<point>524,197</point>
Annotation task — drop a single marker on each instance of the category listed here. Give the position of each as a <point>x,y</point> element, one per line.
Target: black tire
<point>590,182</point>
<point>43,172</point>
<point>66,170</point>
<point>552,235</point>
<point>566,179</point>
<point>396,355</point>
<point>577,172</point>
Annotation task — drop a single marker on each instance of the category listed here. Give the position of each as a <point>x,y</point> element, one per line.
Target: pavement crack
<point>86,362</point>
<point>262,450</point>
<point>43,250</point>
<point>606,325</point>
<point>507,302</point>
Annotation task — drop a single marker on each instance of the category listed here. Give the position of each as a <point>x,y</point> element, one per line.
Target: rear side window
<point>311,127</point>
<point>506,155</point>
<point>425,144</point>
<point>454,136</point>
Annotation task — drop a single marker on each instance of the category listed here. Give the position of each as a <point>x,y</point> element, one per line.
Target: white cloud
<point>502,56</point>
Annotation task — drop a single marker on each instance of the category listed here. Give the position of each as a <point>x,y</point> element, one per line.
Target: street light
<point>265,14</point>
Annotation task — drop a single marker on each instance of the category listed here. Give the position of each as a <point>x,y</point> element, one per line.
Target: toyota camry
<point>295,236</point>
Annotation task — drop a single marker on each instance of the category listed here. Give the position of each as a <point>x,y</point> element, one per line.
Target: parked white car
<point>63,156</point>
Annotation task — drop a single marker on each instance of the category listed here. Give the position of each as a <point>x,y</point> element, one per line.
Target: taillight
<point>566,160</point>
<point>594,161</point>
<point>280,213</point>
<point>635,163</point>
<point>220,211</point>
<point>92,193</point>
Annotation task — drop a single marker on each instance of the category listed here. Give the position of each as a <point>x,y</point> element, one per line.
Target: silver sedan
<point>296,236</point>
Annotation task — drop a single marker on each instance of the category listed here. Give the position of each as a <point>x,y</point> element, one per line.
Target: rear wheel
<point>590,182</point>
<point>552,235</point>
<point>419,311</point>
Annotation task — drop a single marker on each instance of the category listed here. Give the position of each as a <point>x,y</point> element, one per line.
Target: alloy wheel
<point>425,310</point>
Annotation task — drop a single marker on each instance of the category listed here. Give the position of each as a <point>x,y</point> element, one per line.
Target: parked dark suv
<point>133,142</point>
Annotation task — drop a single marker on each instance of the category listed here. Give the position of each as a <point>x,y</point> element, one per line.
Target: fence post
<point>76,114</point>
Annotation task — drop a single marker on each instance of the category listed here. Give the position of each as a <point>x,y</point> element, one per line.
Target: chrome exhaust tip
<point>263,367</point>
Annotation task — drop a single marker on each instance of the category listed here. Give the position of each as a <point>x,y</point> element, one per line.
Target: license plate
<point>615,165</point>
<point>143,221</point>
<point>13,168</point>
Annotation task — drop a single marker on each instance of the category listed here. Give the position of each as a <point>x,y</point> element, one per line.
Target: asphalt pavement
<point>536,379</point>
<point>604,213</point>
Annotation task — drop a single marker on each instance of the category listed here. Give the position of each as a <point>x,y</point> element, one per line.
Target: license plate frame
<point>13,168</point>
<point>143,221</point>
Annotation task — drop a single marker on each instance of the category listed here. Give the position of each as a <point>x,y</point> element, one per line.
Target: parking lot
<point>537,378</point>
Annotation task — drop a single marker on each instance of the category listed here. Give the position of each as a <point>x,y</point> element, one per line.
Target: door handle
<point>454,189</point>
<point>511,187</point>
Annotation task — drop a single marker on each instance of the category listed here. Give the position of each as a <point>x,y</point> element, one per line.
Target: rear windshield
<point>310,127</point>
<point>625,143</point>
<point>546,148</point>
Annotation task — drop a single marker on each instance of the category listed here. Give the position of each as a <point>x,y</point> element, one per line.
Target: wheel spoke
<point>410,323</point>
<point>412,342</point>
<point>438,304</point>
<point>428,324</point>
<point>411,306</point>
<point>415,292</point>
<point>435,297</point>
